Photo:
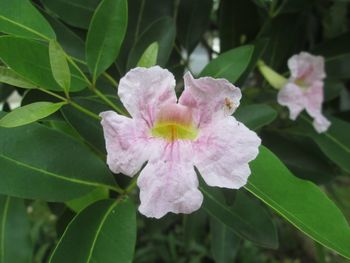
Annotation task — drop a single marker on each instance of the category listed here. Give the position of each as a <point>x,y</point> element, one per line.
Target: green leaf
<point>20,17</point>
<point>15,241</point>
<point>59,65</point>
<point>89,129</point>
<point>56,166</point>
<point>77,13</point>
<point>337,56</point>
<point>30,59</point>
<point>332,89</point>
<point>229,65</point>
<point>246,217</point>
<point>103,232</point>
<point>334,143</point>
<point>301,156</point>
<point>238,23</point>
<point>255,116</point>
<point>163,32</point>
<point>81,203</point>
<point>69,41</point>
<point>149,57</point>
<point>224,243</point>
<point>300,202</point>
<point>276,80</point>
<point>106,34</point>
<point>141,15</point>
<point>192,20</point>
<point>29,113</point>
<point>10,77</point>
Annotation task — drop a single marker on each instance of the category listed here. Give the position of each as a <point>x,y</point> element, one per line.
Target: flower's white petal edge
<point>127,143</point>
<point>314,100</point>
<point>169,183</point>
<point>307,66</point>
<point>144,90</point>
<point>209,97</point>
<point>223,151</point>
<point>293,97</point>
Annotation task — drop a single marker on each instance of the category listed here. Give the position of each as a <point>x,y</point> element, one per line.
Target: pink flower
<point>304,89</point>
<point>176,136</point>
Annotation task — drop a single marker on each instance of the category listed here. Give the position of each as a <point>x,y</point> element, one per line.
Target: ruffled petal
<point>223,151</point>
<point>314,100</point>
<point>307,67</point>
<point>293,97</point>
<point>210,97</point>
<point>169,183</point>
<point>144,90</point>
<point>127,143</point>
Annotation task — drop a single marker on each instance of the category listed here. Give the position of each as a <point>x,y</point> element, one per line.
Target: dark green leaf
<point>193,20</point>
<point>56,166</point>
<point>238,23</point>
<point>302,157</point>
<point>90,129</point>
<point>103,232</point>
<point>224,243</point>
<point>300,202</point>
<point>15,243</point>
<point>161,31</point>
<point>29,113</point>
<point>70,42</point>
<point>332,89</point>
<point>30,59</point>
<point>20,17</point>
<point>255,116</point>
<point>249,221</point>
<point>106,35</point>
<point>77,13</point>
<point>337,56</point>
<point>230,65</point>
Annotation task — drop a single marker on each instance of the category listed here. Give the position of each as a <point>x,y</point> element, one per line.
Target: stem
<point>131,186</point>
<point>110,79</point>
<point>86,111</point>
<point>108,101</point>
<point>53,94</point>
<point>77,68</point>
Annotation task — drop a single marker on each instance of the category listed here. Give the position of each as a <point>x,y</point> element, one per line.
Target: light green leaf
<point>81,203</point>
<point>162,31</point>
<point>56,166</point>
<point>300,202</point>
<point>30,60</point>
<point>106,34</point>
<point>10,77</point>
<point>59,65</point>
<point>229,65</point>
<point>29,113</point>
<point>103,232</point>
<point>255,116</point>
<point>20,17</point>
<point>149,57</point>
<point>276,80</point>
<point>15,241</point>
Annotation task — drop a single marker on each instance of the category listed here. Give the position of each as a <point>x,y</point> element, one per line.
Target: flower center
<point>302,84</point>
<point>174,122</point>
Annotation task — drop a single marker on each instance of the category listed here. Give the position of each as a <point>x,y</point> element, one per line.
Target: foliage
<point>60,203</point>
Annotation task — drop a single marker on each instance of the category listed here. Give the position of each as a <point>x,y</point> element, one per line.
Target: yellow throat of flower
<point>174,122</point>
<point>172,131</point>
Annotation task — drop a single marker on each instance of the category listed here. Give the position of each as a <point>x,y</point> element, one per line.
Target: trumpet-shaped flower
<point>304,89</point>
<point>173,136</point>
